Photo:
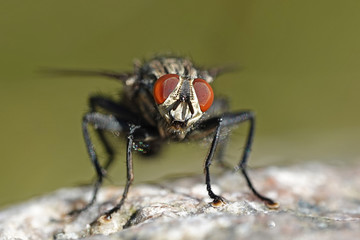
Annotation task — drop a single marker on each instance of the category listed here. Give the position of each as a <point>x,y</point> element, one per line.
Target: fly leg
<point>216,199</point>
<point>220,152</point>
<point>227,120</point>
<point>250,116</point>
<point>218,107</point>
<point>103,122</point>
<point>129,171</point>
<point>103,103</point>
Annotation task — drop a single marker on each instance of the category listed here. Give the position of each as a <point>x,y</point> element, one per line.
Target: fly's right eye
<point>164,86</point>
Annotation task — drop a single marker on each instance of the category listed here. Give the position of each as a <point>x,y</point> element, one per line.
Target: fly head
<point>182,100</point>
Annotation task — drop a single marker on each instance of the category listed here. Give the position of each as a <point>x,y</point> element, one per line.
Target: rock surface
<point>316,202</point>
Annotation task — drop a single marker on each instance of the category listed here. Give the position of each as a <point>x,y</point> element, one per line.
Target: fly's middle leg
<point>106,104</point>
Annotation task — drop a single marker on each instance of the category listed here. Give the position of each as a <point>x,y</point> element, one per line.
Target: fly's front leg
<point>218,107</point>
<point>104,122</point>
<point>227,120</point>
<point>129,171</point>
<point>216,199</point>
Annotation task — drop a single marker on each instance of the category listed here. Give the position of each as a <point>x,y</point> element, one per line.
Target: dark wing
<point>86,73</point>
<point>216,71</point>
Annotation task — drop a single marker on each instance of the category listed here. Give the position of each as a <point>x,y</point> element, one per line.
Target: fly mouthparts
<point>178,124</point>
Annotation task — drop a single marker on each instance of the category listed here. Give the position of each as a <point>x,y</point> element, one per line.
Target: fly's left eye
<point>164,86</point>
<point>204,93</point>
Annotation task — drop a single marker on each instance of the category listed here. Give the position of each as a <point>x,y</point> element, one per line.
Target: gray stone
<point>316,202</point>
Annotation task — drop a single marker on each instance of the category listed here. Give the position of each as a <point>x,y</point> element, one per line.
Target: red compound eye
<point>164,86</point>
<point>204,93</point>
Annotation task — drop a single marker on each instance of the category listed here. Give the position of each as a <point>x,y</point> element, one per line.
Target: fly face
<point>182,100</point>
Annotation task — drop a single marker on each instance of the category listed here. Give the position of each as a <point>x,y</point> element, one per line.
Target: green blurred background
<point>300,73</point>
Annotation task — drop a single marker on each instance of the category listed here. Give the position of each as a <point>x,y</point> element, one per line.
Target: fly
<point>164,99</point>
